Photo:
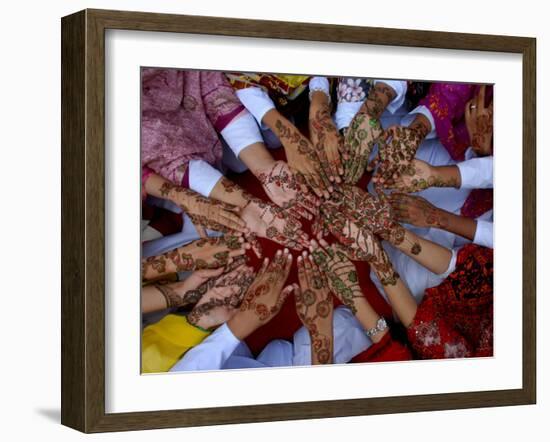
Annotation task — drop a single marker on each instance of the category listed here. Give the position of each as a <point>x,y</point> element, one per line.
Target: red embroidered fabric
<point>455,319</point>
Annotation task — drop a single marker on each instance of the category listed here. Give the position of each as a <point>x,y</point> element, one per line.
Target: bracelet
<point>381,325</point>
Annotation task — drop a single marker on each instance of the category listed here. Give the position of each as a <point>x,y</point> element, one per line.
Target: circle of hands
<point>318,183</point>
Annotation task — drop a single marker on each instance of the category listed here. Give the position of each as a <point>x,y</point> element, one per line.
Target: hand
<point>300,153</point>
<point>479,123</point>
<point>208,253</point>
<point>265,297</point>
<point>340,272</point>
<point>188,291</point>
<point>314,307</point>
<point>372,213</point>
<point>223,299</point>
<point>359,243</point>
<point>361,136</point>
<point>396,153</point>
<point>268,221</point>
<point>286,190</point>
<point>205,212</point>
<point>327,141</point>
<point>417,211</point>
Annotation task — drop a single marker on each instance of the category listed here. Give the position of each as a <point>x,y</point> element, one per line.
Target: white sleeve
<point>257,101</point>
<point>241,133</point>
<point>319,84</point>
<point>400,88</point>
<point>202,177</point>
<point>484,233</point>
<point>452,265</point>
<point>409,118</point>
<point>476,173</point>
<point>345,111</point>
<point>210,354</point>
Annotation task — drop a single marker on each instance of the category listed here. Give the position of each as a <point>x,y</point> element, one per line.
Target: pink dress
<point>182,113</point>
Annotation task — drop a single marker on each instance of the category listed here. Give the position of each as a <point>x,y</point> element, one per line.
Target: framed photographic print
<point>266,220</point>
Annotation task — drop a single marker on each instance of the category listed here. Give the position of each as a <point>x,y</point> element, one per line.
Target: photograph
<point>298,220</point>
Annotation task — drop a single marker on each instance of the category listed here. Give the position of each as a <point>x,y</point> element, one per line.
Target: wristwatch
<point>381,325</point>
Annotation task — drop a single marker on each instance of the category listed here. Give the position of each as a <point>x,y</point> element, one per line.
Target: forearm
<point>168,263</point>
<point>401,300</point>
<point>434,257</point>
<point>445,176</point>
<point>368,318</point>
<point>322,346</point>
<point>257,158</point>
<point>320,122</point>
<point>152,299</point>
<point>162,188</point>
<point>227,191</point>
<point>459,225</point>
<point>290,137</point>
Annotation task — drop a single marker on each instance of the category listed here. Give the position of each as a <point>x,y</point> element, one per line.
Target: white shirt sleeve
<point>202,177</point>
<point>241,133</point>
<point>484,233</point>
<point>210,354</point>
<point>476,173</point>
<point>400,88</point>
<point>319,84</point>
<point>257,101</point>
<point>423,110</point>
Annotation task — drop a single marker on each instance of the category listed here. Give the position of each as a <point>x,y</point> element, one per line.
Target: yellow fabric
<point>165,342</point>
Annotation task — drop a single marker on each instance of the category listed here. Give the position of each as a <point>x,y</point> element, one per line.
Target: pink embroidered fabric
<point>181,115</point>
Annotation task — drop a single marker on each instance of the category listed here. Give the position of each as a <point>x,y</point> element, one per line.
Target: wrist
<point>242,324</point>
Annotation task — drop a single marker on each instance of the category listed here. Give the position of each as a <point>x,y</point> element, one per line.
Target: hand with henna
<point>288,191</point>
<point>325,137</point>
<point>206,253</point>
<point>479,123</point>
<point>339,271</point>
<point>415,210</point>
<point>205,212</point>
<point>361,136</point>
<point>300,153</point>
<point>358,242</point>
<point>372,213</point>
<point>222,300</point>
<point>269,221</point>
<point>265,296</point>
<point>314,307</point>
<point>397,152</point>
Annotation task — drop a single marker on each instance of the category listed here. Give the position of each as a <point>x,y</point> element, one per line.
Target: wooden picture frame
<point>83,220</point>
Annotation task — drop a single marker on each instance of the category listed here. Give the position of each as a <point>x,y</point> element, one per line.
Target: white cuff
<point>210,354</point>
<point>400,89</point>
<point>241,133</point>
<point>452,265</point>
<point>409,118</point>
<point>319,84</point>
<point>202,177</point>
<point>345,111</point>
<point>484,234</point>
<point>476,173</point>
<point>257,101</point>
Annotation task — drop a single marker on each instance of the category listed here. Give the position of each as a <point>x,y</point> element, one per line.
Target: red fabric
<point>455,319</point>
<point>478,202</point>
<point>286,323</point>
<point>388,349</point>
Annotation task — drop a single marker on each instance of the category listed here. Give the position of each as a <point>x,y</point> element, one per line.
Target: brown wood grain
<point>83,219</point>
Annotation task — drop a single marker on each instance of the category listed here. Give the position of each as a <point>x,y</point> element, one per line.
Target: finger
<point>299,211</point>
<point>209,273</point>
<point>313,185</point>
<point>301,272</point>
<point>287,256</point>
<point>256,246</point>
<point>308,270</point>
<point>201,231</point>
<point>238,252</point>
<point>234,222</point>
<point>468,111</point>
<point>284,295</point>
<point>264,267</point>
<point>481,98</point>
<point>373,163</point>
